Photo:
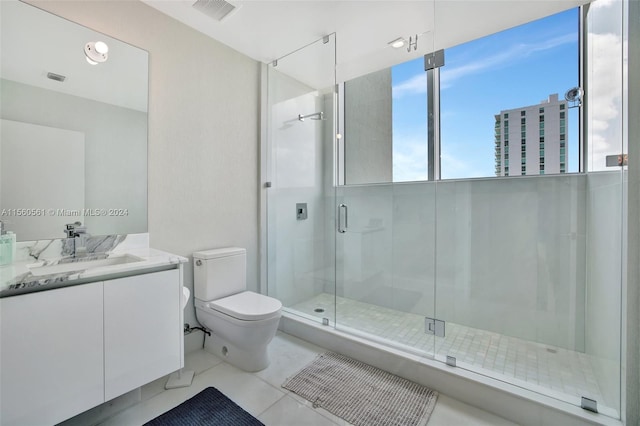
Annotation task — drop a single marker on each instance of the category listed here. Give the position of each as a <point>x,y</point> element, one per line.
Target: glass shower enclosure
<point>516,278</point>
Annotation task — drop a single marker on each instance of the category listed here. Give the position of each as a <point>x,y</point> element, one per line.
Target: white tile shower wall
<point>297,177</point>
<point>509,253</point>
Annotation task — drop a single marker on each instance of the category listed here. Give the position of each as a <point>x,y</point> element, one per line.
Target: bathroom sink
<point>81,265</point>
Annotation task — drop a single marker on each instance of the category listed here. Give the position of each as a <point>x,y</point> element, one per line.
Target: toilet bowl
<point>242,323</point>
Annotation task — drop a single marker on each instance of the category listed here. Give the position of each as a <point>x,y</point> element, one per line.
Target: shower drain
<point>318,310</point>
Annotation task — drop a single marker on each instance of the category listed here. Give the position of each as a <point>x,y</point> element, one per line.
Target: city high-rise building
<point>532,140</point>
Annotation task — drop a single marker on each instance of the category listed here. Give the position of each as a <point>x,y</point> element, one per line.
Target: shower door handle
<point>343,229</point>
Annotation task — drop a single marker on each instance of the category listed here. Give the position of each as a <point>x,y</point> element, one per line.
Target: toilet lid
<point>247,306</point>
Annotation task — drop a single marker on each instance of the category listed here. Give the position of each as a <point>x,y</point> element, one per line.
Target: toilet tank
<point>219,273</point>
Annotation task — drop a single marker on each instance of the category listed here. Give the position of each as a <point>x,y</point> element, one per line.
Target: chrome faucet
<point>77,236</point>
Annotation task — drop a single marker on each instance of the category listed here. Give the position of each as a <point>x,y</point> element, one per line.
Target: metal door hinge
<point>434,326</point>
<point>589,404</point>
<point>434,60</point>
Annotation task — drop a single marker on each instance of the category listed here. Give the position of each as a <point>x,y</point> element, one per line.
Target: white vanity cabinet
<point>142,330</point>
<point>51,355</point>
<point>66,350</point>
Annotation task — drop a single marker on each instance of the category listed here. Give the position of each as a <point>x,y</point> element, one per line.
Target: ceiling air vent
<point>216,9</point>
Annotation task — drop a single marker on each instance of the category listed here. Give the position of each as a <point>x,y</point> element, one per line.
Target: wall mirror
<point>73,142</point>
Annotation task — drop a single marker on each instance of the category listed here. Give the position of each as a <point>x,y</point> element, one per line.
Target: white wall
<point>203,131</point>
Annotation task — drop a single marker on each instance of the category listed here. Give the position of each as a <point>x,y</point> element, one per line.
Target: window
<point>507,74</point>
<point>483,83</point>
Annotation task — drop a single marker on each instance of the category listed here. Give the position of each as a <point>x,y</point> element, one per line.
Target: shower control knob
<point>198,262</point>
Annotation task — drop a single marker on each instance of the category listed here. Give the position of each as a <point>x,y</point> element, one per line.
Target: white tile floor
<point>262,396</point>
<point>554,371</point>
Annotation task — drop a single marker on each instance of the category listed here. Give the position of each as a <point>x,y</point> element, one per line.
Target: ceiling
<point>270,29</point>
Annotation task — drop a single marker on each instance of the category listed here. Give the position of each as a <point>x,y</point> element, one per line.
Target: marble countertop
<point>17,278</point>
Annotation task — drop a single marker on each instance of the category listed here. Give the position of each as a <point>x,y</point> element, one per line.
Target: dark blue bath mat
<point>208,408</point>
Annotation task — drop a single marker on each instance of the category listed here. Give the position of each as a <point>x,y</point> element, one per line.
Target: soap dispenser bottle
<point>7,246</point>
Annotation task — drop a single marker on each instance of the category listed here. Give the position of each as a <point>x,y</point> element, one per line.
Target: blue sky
<point>514,68</point>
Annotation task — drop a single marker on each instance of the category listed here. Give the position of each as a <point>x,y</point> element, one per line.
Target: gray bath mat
<point>361,394</point>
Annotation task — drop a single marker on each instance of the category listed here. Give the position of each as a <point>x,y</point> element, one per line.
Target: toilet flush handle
<point>198,262</point>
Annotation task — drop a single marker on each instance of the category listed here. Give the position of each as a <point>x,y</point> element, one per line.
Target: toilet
<point>242,323</point>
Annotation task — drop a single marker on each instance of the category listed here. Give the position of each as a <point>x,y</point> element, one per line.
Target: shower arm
<point>315,116</point>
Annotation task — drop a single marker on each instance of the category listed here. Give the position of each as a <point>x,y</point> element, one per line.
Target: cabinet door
<point>51,355</point>
<point>142,330</point>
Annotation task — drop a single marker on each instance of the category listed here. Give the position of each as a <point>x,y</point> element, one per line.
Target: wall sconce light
<point>96,52</point>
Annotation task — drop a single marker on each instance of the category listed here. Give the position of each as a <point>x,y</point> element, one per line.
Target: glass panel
<point>300,201</point>
<point>385,254</point>
<point>385,125</point>
<point>605,185</point>
<point>528,270</point>
<point>511,280</point>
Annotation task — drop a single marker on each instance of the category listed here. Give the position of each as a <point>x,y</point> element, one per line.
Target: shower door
<point>385,202</point>
<point>299,192</point>
<point>385,250</point>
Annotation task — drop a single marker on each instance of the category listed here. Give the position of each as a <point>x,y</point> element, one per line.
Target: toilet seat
<point>247,306</point>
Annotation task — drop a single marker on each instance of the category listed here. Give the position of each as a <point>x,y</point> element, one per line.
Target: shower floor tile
<point>562,373</point>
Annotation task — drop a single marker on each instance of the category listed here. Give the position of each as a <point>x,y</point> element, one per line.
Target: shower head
<point>574,95</point>
<point>315,116</point>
